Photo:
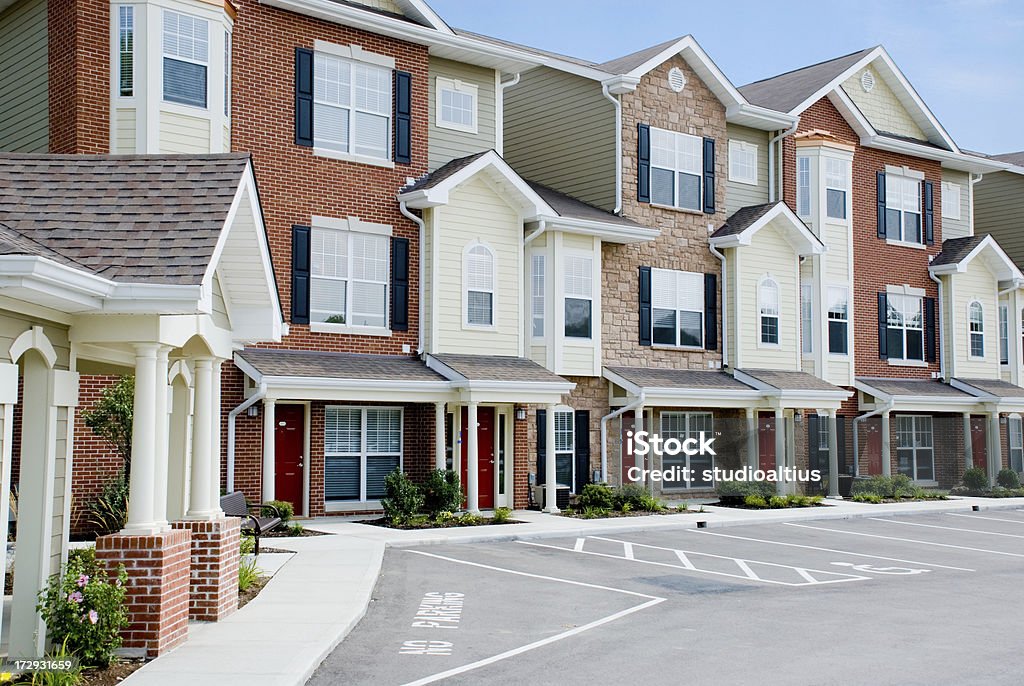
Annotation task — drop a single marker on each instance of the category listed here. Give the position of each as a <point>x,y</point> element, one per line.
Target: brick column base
<point>213,592</point>
<point>157,588</point>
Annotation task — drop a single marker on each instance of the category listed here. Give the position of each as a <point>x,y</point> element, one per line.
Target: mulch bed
<point>114,674</point>
<point>287,533</point>
<point>454,524</point>
<point>245,596</point>
<point>612,514</point>
<point>744,506</point>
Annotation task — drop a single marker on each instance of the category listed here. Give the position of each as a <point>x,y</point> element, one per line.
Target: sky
<point>965,58</point>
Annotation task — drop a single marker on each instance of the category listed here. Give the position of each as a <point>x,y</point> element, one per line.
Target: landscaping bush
<point>755,501</point>
<point>975,479</point>
<point>442,492</point>
<point>867,498</point>
<point>1007,478</point>
<point>286,509</point>
<point>502,515</point>
<point>84,608</point>
<point>736,492</point>
<point>64,677</point>
<point>885,487</point>
<point>107,513</point>
<point>248,574</point>
<point>403,498</point>
<point>632,495</point>
<point>247,544</point>
<point>597,496</point>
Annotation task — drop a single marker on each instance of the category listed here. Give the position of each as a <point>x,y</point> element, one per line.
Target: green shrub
<point>1008,478</point>
<point>502,515</point>
<point>84,608</point>
<point>443,518</point>
<point>650,504</point>
<point>735,492</point>
<point>403,498</point>
<point>111,419</point>
<point>442,492</point>
<point>600,496</point>
<point>625,508</point>
<point>286,509</point>
<point>248,574</point>
<point>632,494</point>
<point>777,501</point>
<point>975,479</point>
<point>247,544</point>
<point>867,498</point>
<point>594,513</point>
<point>885,487</point>
<point>107,513</point>
<point>295,529</point>
<point>469,519</point>
<point>65,677</point>
<point>755,500</point>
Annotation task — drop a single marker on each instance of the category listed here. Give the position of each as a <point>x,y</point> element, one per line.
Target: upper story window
<point>126,50</point>
<point>837,186</point>
<point>677,303</point>
<point>186,58</point>
<point>579,299</point>
<point>976,328</point>
<point>351,107</point>
<point>537,281</point>
<point>768,310</point>
<point>902,208</point>
<point>456,105</point>
<point>1004,334</point>
<point>676,168</point>
<point>838,320</point>
<point>743,162</point>
<point>950,200</point>
<point>479,284</point>
<point>349,278</point>
<point>803,186</point>
<point>904,327</point>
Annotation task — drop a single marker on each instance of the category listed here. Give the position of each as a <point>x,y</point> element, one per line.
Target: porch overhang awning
<point>342,377</point>
<point>499,379</point>
<point>915,395</point>
<point>998,395</point>
<point>682,388</point>
<point>740,229</point>
<point>794,389</point>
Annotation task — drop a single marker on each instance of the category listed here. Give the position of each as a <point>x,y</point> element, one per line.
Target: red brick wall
<point>79,76</point>
<point>95,460</point>
<point>215,557</point>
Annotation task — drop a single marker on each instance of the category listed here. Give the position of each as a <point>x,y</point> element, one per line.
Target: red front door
<point>978,452</point>
<point>873,430</point>
<point>485,455</point>
<point>288,457</point>
<point>766,442</point>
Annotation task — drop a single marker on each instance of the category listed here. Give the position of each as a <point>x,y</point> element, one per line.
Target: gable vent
<point>676,79</point>
<point>867,81</point>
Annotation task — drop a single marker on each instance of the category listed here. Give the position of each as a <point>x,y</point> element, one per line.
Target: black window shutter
<point>841,443</point>
<point>399,284</point>
<point>643,163</point>
<point>709,175</point>
<point>710,312</point>
<point>645,305</point>
<point>883,323</point>
<point>814,442</point>
<point>403,117</point>
<point>303,97</point>
<point>542,445</point>
<point>581,418</point>
<point>300,274</point>
<point>880,187</point>
<point>929,212</point>
<point>930,337</point>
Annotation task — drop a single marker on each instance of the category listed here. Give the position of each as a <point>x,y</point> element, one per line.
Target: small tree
<point>111,418</point>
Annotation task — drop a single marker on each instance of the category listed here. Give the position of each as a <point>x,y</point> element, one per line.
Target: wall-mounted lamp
<point>520,413</point>
<point>253,411</point>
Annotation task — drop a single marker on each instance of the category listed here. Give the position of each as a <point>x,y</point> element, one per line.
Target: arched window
<point>976,328</point>
<point>478,280</point>
<point>768,309</point>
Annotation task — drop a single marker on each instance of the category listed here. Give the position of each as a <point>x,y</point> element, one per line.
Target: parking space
<point>839,601</point>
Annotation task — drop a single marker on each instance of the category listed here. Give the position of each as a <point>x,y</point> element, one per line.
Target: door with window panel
<point>682,426</point>
<point>915,452</point>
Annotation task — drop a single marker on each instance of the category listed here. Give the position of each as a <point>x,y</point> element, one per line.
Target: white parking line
<point>829,550</point>
<point>947,528</point>
<point>991,519</point>
<point>579,543</point>
<point>903,540</point>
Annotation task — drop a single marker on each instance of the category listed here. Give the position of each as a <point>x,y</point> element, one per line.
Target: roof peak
<point>864,51</point>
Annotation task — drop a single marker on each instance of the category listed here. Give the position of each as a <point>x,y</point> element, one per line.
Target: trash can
<point>845,485</point>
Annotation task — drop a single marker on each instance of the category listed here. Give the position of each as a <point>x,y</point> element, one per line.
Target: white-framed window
<point>125,51</point>
<point>677,166</point>
<point>579,298</point>
<point>823,430</point>
<point>456,105</point>
<point>768,310</point>
<point>1015,439</point>
<point>915,453</point>
<point>837,187</point>
<point>838,320</point>
<point>677,303</point>
<point>186,57</point>
<point>803,186</point>
<point>976,328</point>
<point>807,316</point>
<point>537,294</point>
<point>681,426</point>
<point>1004,334</point>
<point>227,73</point>
<point>362,445</point>
<point>743,162</point>
<point>905,327</point>
<point>903,208</point>
<point>349,278</point>
<point>565,447</point>
<point>478,277</point>
<point>950,200</point>
<point>351,106</point>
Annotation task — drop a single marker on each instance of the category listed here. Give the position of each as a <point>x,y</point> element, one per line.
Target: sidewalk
<point>317,597</point>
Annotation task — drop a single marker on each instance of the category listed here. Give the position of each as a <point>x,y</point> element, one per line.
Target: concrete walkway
<point>316,598</point>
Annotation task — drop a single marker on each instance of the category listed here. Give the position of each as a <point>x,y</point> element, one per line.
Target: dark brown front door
<point>288,457</point>
<point>485,455</point>
<point>978,452</point>
<point>766,441</point>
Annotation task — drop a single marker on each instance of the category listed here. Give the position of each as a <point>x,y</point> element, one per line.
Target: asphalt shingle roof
<point>301,363</point>
<point>679,378</point>
<point>570,207</point>
<point>913,387</point>
<point>743,218</point>
<point>1016,158</point>
<point>996,387</point>
<point>790,380</point>
<point>498,368</point>
<point>785,91</point>
<point>956,249</point>
<point>130,218</point>
<point>443,172</point>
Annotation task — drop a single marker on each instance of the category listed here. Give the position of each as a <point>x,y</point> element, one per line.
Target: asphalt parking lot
<point>909,600</point>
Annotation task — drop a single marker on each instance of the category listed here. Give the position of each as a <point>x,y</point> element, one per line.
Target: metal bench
<point>234,505</point>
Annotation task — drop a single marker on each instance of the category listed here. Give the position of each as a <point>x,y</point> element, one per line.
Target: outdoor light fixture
<point>520,413</point>
<point>253,411</point>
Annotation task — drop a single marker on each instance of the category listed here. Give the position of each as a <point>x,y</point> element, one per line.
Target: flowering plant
<point>84,608</point>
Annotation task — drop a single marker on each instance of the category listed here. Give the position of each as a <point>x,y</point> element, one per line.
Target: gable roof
<point>786,91</point>
<point>567,206</point>
<point>311,364</point>
<point>740,228</point>
<point>957,253</point>
<point>954,250</point>
<point>1016,158</point>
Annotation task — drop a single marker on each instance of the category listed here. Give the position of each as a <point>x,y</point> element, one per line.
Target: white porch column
<point>638,426</point>
<point>886,449</point>
<point>782,484</point>
<point>968,442</point>
<point>215,438</point>
<point>550,466</point>
<point>833,456</point>
<point>142,488</point>
<point>202,441</point>
<point>439,462</point>
<point>178,450</point>
<point>994,459</point>
<point>8,397</point>
<point>752,448</point>
<point>269,456</point>
<point>472,460</point>
<point>457,441</point>
<point>161,437</point>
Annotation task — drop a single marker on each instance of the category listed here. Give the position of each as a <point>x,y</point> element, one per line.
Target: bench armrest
<point>266,506</point>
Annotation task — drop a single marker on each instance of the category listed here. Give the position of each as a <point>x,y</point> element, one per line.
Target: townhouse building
<point>999,203</point>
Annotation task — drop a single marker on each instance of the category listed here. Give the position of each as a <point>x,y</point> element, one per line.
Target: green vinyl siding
<point>999,210</point>
<point>24,110</point>
<point>738,195</point>
<point>446,144</point>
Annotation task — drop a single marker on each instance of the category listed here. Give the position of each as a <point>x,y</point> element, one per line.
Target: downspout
<point>604,431</point>
<point>542,226</point>
<point>618,146</point>
<point>942,348</point>
<point>423,245</point>
<point>261,392</point>
<point>725,307</point>
<point>970,199</point>
<point>499,133</point>
<point>857,420</point>
<point>771,158</point>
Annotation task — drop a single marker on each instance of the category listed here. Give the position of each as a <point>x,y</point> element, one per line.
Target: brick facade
<point>213,583</point>
<point>79,76</point>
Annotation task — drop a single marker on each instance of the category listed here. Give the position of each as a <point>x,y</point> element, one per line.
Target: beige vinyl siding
<point>999,210</point>
<point>977,283</point>
<point>539,354</point>
<point>220,308</point>
<point>24,110</point>
<point>578,355</point>
<point>837,273</point>
<point>385,5</point>
<point>181,133</point>
<point>124,131</point>
<point>426,267</point>
<point>227,139</point>
<point>560,131</point>
<point>445,144</point>
<point>881,107</point>
<point>733,267</point>
<point>739,195</point>
<point>13,324</point>
<point>60,462</point>
<point>957,228</point>
<point>475,213</point>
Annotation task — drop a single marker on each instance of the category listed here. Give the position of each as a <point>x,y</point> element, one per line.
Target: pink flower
<point>75,597</point>
<point>94,616</point>
<point>82,580</point>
